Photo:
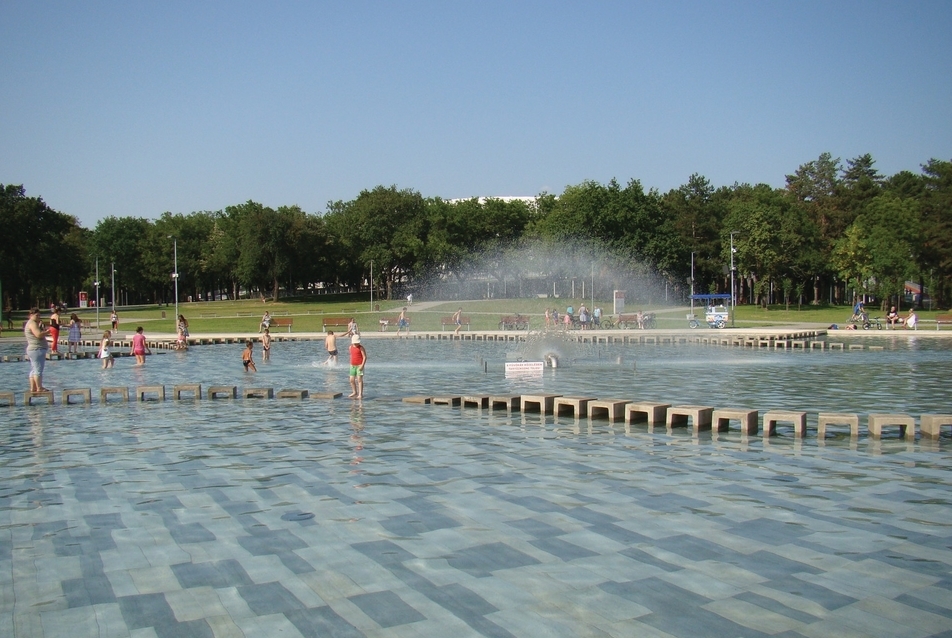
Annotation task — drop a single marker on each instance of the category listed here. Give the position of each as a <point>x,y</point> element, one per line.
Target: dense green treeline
<point>835,230</point>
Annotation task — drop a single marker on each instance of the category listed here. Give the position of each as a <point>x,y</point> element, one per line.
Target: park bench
<point>627,321</point>
<point>941,319</point>
<point>514,322</point>
<point>448,321</point>
<point>336,322</point>
<point>281,322</point>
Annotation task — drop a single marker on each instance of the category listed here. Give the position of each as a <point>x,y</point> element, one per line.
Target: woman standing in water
<point>36,347</point>
<point>55,329</point>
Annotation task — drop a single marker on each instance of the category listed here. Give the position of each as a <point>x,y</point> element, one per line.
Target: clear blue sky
<point>137,108</point>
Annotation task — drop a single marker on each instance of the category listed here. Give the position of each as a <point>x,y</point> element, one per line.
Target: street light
<point>96,283</point>
<point>733,312</point>
<point>113,287</point>
<point>175,278</point>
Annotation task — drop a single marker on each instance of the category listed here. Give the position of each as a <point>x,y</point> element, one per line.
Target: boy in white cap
<point>358,358</point>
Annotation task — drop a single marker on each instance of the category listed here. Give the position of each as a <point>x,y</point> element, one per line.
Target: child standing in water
<point>107,360</point>
<point>246,357</point>
<point>266,344</point>
<point>75,333</point>
<point>139,349</point>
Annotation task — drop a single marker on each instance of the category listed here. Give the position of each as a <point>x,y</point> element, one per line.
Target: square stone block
<point>699,415</point>
<point>453,402</point>
<point>30,396</point>
<point>655,413</point>
<point>929,424</point>
<point>508,402</point>
<point>571,406</point>
<point>257,393</point>
<point>476,401</point>
<point>105,393</point>
<point>8,398</point>
<point>194,388</point>
<point>613,409</point>
<point>798,419</point>
<point>85,395</point>
<point>144,391</point>
<point>825,419</point>
<point>292,394</point>
<point>907,425</point>
<point>543,403</point>
<point>747,419</point>
<point>223,391</point>
<point>417,399</point>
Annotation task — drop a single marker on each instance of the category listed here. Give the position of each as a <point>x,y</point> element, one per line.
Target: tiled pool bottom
<point>188,519</point>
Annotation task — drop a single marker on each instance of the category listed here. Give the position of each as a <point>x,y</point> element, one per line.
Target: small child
<point>107,360</point>
<point>180,343</point>
<point>266,344</point>
<point>246,357</point>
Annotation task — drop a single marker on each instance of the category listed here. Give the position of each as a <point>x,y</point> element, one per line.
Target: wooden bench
<point>281,322</point>
<point>941,319</point>
<point>627,321</point>
<point>448,321</point>
<point>336,322</point>
<point>514,322</point>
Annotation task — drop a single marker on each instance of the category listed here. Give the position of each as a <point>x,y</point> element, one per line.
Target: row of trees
<point>834,231</point>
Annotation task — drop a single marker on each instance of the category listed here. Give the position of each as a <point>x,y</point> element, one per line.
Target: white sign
<point>619,299</point>
<point>523,369</point>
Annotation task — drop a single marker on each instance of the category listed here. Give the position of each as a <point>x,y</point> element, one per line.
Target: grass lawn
<point>484,314</point>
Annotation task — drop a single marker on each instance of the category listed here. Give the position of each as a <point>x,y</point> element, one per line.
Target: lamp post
<point>96,283</point>
<point>175,279</point>
<point>114,287</point>
<point>733,317</point>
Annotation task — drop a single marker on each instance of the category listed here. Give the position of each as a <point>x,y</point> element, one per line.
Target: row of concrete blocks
<point>700,418</point>
<point>188,391</point>
<point>61,356</point>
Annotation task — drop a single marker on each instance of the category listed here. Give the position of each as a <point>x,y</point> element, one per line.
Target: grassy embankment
<point>244,316</point>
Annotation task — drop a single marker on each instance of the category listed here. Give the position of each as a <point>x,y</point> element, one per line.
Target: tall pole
<point>175,278</point>
<point>733,317</point>
<point>97,293</point>
<point>371,285</point>
<point>114,286</point>
<point>692,284</point>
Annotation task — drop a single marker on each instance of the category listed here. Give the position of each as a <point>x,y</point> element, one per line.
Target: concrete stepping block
<point>508,402</point>
<point>476,401</point>
<point>9,398</point>
<point>450,401</point>
<point>195,389</point>
<point>421,400</point>
<point>722,417</point>
<point>613,409</point>
<point>85,394</point>
<point>700,416</point>
<point>292,394</point>
<point>30,396</point>
<point>543,403</point>
<point>326,395</point>
<point>571,406</point>
<point>258,393</point>
<point>825,419</point>
<point>105,393</point>
<point>798,419</point>
<point>144,392</point>
<point>223,391</point>
<point>654,413</point>
<point>907,425</point>
<point>929,424</point>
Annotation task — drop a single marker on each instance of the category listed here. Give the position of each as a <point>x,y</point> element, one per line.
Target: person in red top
<point>139,347</point>
<point>358,358</point>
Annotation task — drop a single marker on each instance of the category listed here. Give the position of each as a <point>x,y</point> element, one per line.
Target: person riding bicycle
<point>859,309</point>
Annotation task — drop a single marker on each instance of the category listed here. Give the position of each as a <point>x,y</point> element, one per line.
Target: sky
<point>140,108</point>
